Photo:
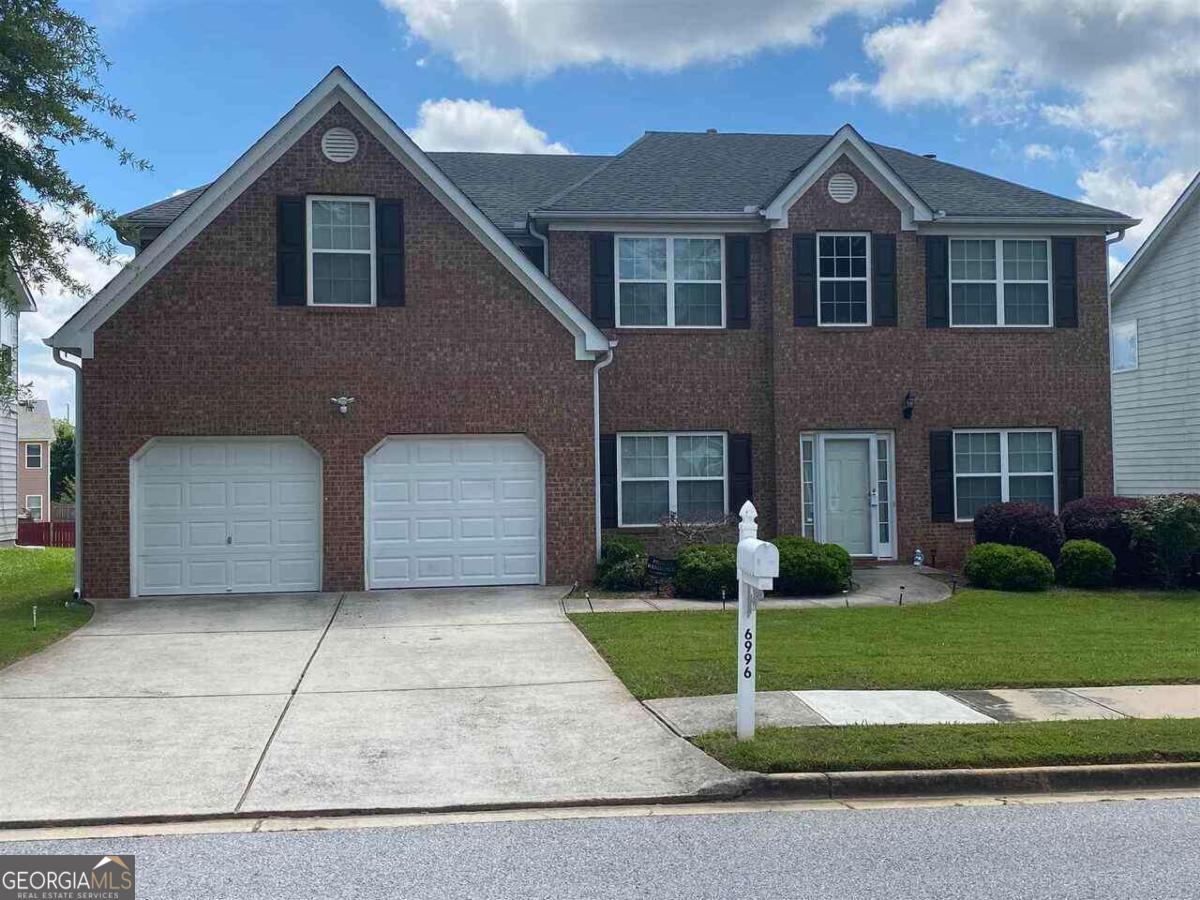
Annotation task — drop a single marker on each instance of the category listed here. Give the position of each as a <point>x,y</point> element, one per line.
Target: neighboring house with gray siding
<point>9,503</point>
<point>1156,357</point>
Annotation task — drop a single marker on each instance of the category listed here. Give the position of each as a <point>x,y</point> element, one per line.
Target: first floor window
<point>1125,346</point>
<point>660,473</point>
<point>808,492</point>
<point>999,282</point>
<point>670,282</point>
<point>341,251</point>
<point>33,503</point>
<point>999,466</point>
<point>843,266</point>
<point>33,456</point>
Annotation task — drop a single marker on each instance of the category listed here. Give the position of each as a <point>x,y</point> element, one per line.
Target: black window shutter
<point>883,291</point>
<point>937,282</point>
<point>741,471</point>
<point>291,276</point>
<point>941,476</point>
<point>604,310</point>
<point>1070,466</point>
<point>1066,301</point>
<point>804,279</point>
<point>737,281</point>
<point>389,253</point>
<point>608,481</point>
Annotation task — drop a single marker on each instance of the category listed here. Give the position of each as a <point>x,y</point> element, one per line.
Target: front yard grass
<point>851,747</point>
<point>45,577</point>
<point>978,639</point>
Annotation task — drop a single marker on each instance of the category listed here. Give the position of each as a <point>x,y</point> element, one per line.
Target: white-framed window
<point>808,487</point>
<point>341,251</point>
<point>843,278</point>
<point>668,281</point>
<point>999,466</point>
<point>1125,346</point>
<point>661,472</point>
<point>33,503</point>
<point>1000,281</point>
<point>33,456</point>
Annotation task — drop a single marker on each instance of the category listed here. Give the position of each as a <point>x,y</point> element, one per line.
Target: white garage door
<point>454,511</point>
<point>215,516</point>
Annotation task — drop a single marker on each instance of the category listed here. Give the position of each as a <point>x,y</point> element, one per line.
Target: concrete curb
<point>943,782</point>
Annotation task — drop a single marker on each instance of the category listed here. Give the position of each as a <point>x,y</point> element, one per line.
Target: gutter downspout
<point>545,239</point>
<point>77,597</point>
<point>1112,420</point>
<point>608,358</point>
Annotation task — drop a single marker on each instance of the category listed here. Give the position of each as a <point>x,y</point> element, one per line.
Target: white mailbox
<point>758,563</point>
<point>757,569</point>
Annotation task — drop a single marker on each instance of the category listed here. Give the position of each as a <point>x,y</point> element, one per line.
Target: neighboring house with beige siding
<point>35,433</point>
<point>1156,357</point>
<point>9,331</point>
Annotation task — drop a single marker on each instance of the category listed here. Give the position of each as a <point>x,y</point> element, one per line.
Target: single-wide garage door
<point>226,515</point>
<point>454,511</point>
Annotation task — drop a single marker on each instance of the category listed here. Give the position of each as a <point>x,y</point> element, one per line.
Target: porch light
<point>910,401</point>
<point>342,403</point>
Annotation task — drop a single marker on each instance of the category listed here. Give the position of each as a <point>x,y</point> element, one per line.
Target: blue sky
<point>1045,94</point>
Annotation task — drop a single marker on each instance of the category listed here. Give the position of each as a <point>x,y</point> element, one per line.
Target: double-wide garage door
<point>226,515</point>
<point>454,511</point>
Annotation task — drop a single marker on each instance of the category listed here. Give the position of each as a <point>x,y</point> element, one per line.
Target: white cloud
<point>1113,185</point>
<point>1040,152</point>
<point>849,88</point>
<point>477,125</point>
<point>513,38</point>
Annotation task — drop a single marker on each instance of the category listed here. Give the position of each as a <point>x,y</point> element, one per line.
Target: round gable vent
<point>339,145</point>
<point>843,188</point>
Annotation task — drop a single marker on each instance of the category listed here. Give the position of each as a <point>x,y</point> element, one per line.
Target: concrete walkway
<point>876,586</point>
<point>201,706</point>
<point>689,716</point>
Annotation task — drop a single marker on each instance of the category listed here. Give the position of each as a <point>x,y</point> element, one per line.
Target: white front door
<point>444,511</point>
<point>225,515</point>
<point>848,494</point>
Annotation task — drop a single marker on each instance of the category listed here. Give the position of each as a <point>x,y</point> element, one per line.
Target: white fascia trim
<point>683,224</point>
<point>336,87</point>
<point>849,142</point>
<point>1107,224</point>
<point>1016,228</point>
<point>1150,245</point>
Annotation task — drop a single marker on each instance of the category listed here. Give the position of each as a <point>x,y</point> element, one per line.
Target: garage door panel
<point>206,456</point>
<point>298,493</point>
<point>206,535</point>
<point>207,575</point>
<point>475,515</point>
<point>162,496</point>
<point>165,577</point>
<point>298,533</point>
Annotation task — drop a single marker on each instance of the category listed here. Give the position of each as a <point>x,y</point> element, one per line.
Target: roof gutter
<point>1111,224</point>
<point>641,214</point>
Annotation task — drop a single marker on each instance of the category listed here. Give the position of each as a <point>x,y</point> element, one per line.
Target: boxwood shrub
<point>622,563</point>
<point>1007,567</point>
<point>1022,525</point>
<point>1102,519</point>
<point>1086,564</point>
<point>704,569</point>
<point>809,567</point>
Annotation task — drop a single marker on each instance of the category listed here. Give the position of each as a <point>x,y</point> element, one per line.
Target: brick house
<point>347,363</point>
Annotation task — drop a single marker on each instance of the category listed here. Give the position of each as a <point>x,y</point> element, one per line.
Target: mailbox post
<point>757,568</point>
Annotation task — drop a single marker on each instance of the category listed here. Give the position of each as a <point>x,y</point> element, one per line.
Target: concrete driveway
<point>198,706</point>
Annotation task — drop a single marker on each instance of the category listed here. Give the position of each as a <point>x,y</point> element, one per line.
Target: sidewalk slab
<point>1034,705</point>
<point>450,606</point>
<point>690,716</point>
<point>891,708</point>
<point>1151,701</point>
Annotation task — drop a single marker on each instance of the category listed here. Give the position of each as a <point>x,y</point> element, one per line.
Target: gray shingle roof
<point>725,173</point>
<point>164,212</point>
<point>35,424</point>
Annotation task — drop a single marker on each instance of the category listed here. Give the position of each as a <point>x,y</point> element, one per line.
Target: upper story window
<point>657,473</point>
<point>341,249</point>
<point>998,466</point>
<point>670,282</point>
<point>843,279</point>
<point>999,282</point>
<point>33,456</point>
<point>1125,346</point>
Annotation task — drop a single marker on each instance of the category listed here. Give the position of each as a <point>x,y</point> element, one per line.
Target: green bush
<point>1086,564</point>
<point>622,563</point>
<point>704,569</point>
<point>809,567</point>
<point>1167,529</point>
<point>1006,567</point>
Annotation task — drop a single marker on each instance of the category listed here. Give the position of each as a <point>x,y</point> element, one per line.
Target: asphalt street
<point>1127,849</point>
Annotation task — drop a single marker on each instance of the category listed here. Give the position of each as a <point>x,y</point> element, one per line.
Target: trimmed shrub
<point>1007,567</point>
<point>622,563</point>
<point>704,569</point>
<point>1028,525</point>
<point>1100,519</point>
<point>1086,564</point>
<point>809,567</point>
<point>1167,528</point>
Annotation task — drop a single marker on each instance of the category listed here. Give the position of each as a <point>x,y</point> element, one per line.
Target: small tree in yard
<point>62,462</point>
<point>50,98</point>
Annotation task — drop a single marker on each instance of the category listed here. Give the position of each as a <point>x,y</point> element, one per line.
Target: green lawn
<point>852,747</point>
<point>45,577</point>
<point>978,639</point>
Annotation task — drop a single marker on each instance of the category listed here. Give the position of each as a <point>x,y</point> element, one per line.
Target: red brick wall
<point>203,349</point>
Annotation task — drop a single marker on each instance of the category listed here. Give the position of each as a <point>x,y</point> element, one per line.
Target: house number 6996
<point>748,657</point>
